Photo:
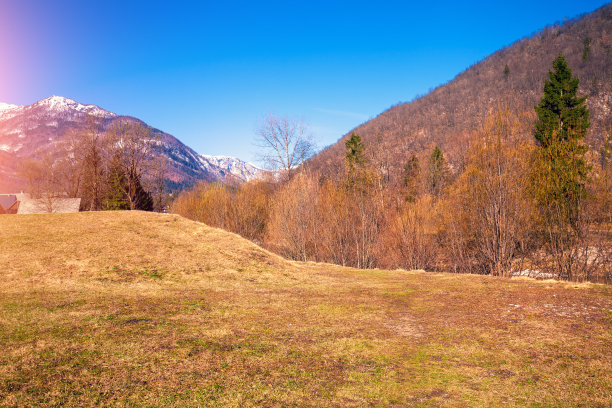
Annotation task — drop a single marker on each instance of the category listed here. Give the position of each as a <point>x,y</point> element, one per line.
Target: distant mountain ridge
<point>447,115</point>
<point>28,131</point>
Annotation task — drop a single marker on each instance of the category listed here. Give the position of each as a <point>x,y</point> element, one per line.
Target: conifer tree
<point>562,115</point>
<point>563,120</point>
<point>587,49</point>
<point>364,205</point>
<point>354,151</point>
<point>354,158</point>
<point>115,198</point>
<point>437,172</point>
<point>560,173</point>
<point>410,179</point>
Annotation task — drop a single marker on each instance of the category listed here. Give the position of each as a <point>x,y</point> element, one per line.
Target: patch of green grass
<point>152,273</point>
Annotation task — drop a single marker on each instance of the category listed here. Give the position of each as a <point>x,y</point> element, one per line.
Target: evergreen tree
<point>562,115</point>
<point>410,179</point>
<point>115,197</point>
<point>563,120</point>
<point>587,49</point>
<point>354,151</point>
<point>354,159</point>
<point>506,72</point>
<point>437,172</point>
<point>560,173</point>
<point>144,200</point>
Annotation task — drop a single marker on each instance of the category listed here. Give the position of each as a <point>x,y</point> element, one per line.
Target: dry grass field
<point>140,309</point>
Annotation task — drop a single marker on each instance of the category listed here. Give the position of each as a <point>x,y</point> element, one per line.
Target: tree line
<point>512,205</point>
<point>110,167</point>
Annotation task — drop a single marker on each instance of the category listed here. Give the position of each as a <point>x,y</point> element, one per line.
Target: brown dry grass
<point>138,309</point>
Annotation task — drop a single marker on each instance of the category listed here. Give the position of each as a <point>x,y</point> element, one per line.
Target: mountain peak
<point>57,99</point>
<point>230,166</point>
<point>63,104</point>
<point>26,131</point>
<point>8,106</point>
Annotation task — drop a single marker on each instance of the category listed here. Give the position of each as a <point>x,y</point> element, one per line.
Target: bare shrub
<point>409,239</point>
<point>292,229</point>
<point>488,215</point>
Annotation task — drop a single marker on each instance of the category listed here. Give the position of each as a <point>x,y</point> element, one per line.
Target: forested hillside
<point>506,170</point>
<point>447,115</point>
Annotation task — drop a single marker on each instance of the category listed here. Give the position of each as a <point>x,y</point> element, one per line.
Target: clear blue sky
<point>207,71</point>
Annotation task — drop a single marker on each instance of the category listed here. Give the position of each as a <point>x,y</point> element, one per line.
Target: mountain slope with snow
<point>227,165</point>
<point>26,132</point>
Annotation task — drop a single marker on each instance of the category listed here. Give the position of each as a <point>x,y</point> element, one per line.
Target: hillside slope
<point>447,114</point>
<point>28,131</point>
<point>141,309</point>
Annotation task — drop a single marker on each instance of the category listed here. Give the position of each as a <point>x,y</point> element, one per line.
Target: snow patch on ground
<point>529,273</point>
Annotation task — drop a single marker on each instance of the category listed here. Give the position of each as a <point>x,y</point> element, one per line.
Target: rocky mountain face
<point>28,131</point>
<point>515,74</point>
<point>223,167</point>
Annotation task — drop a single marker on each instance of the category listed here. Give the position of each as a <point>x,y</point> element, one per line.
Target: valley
<point>454,250</point>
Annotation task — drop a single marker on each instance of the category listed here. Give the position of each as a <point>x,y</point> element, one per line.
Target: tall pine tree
<point>563,120</point>
<point>354,160</point>
<point>562,115</point>
<point>437,172</point>
<point>354,152</point>
<point>410,179</point>
<point>560,172</point>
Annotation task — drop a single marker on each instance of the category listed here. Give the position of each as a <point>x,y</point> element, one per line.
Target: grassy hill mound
<point>138,309</point>
<point>125,246</point>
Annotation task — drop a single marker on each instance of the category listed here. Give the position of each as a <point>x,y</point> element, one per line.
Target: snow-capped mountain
<point>28,131</point>
<point>7,107</point>
<point>58,104</point>
<point>226,165</point>
<point>7,110</point>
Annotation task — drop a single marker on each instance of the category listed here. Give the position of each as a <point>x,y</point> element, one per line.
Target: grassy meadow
<point>141,309</point>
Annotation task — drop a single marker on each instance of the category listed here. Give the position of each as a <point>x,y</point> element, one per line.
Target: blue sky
<point>208,72</point>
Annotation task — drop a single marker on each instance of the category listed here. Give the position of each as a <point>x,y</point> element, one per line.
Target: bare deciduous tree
<point>408,239</point>
<point>496,174</point>
<point>292,227</point>
<point>42,180</point>
<point>87,150</point>
<point>285,143</point>
<point>155,181</point>
<point>132,155</point>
